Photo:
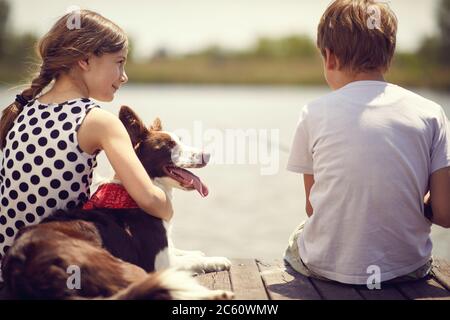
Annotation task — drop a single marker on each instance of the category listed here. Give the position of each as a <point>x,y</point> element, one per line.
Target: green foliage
<point>131,49</point>
<point>212,52</point>
<point>430,51</point>
<point>14,49</point>
<point>290,59</point>
<point>21,49</point>
<point>435,50</point>
<point>289,47</point>
<point>444,27</point>
<point>286,47</point>
<point>4,13</point>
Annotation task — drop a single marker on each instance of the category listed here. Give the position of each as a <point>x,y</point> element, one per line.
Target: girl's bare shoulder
<point>101,119</point>
<point>99,126</point>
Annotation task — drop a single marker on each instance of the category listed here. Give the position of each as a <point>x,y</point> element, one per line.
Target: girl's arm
<point>102,130</point>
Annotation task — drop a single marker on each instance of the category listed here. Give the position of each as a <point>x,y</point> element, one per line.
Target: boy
<point>369,151</point>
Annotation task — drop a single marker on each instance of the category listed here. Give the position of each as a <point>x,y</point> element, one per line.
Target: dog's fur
<point>116,250</point>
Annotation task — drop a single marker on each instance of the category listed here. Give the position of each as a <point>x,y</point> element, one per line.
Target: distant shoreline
<point>13,87</point>
<point>253,72</point>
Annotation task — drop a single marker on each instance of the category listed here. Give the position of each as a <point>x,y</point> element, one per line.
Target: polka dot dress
<point>43,168</point>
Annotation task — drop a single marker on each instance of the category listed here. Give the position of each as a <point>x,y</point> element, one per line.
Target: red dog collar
<point>110,195</point>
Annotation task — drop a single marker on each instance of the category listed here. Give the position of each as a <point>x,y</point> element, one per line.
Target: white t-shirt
<point>371,147</point>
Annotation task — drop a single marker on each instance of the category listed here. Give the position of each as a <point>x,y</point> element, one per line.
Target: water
<point>246,214</point>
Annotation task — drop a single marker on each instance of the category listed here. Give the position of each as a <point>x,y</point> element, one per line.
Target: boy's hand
<point>439,197</point>
<point>428,210</point>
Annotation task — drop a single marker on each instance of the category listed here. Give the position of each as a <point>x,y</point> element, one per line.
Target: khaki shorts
<point>293,259</point>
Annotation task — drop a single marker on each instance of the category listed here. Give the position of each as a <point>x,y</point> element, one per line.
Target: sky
<point>187,25</point>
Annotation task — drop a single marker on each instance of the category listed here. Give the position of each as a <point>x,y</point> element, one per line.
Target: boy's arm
<point>308,180</point>
<point>440,197</point>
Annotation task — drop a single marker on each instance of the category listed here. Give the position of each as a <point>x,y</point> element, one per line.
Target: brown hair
<point>361,44</point>
<point>60,49</point>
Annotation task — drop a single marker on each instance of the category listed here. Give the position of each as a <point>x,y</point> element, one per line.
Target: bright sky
<point>186,25</point>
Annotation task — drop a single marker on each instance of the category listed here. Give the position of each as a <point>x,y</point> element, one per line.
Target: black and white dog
<point>122,253</point>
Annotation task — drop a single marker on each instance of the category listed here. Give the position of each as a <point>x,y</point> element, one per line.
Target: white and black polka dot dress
<point>43,168</point>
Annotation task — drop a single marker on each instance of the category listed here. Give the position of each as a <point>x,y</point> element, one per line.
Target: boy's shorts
<point>293,259</point>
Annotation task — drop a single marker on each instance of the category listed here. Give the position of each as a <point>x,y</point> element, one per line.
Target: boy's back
<point>371,147</point>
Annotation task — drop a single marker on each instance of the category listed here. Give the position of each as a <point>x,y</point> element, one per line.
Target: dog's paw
<point>219,263</point>
<point>181,253</point>
<point>198,265</point>
<point>213,264</point>
<point>196,253</point>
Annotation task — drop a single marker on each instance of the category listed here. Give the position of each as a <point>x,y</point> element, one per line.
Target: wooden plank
<point>428,289</point>
<point>246,280</point>
<point>386,293</point>
<point>336,291</point>
<point>441,271</point>
<point>283,284</point>
<point>215,280</point>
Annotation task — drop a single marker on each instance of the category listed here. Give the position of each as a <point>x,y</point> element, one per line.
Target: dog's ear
<point>134,125</point>
<point>156,126</point>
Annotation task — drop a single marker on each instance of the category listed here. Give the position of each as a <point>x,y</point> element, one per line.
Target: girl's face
<point>104,75</point>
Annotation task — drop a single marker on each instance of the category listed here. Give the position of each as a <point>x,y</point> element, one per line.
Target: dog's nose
<point>205,157</point>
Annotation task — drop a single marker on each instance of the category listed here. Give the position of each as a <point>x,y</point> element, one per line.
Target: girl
<point>50,141</point>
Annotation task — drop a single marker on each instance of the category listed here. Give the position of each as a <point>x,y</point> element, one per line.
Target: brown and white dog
<point>121,253</point>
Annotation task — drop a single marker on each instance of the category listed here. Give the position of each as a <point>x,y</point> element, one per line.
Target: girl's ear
<point>134,125</point>
<point>84,64</point>
<point>156,126</point>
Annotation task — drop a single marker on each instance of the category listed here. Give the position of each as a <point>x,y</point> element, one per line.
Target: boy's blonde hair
<point>361,33</point>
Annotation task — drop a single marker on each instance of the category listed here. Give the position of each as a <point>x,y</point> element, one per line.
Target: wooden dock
<point>259,279</point>
<point>256,279</point>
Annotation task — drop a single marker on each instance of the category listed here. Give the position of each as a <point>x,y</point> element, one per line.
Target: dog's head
<point>163,154</point>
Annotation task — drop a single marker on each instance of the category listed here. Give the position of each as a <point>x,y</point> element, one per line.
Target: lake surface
<point>250,212</point>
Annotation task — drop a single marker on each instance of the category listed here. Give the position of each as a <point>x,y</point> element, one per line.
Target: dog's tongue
<point>191,180</point>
